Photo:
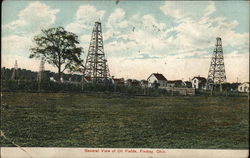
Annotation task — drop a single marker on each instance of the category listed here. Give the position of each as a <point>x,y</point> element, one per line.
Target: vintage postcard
<point>123,78</point>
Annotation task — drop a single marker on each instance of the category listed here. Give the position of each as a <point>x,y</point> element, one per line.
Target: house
<point>135,83</point>
<point>229,86</point>
<point>157,80</point>
<point>175,83</point>
<point>244,87</point>
<point>128,82</point>
<point>118,81</point>
<point>132,82</point>
<point>144,83</point>
<point>199,82</point>
<point>188,84</point>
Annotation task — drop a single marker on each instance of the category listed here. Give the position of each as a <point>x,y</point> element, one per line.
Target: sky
<point>175,38</point>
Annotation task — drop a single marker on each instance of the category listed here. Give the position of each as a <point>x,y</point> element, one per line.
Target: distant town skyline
<point>173,38</point>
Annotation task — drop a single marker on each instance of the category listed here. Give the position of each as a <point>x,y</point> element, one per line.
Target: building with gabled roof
<point>199,82</point>
<point>188,84</point>
<point>157,80</point>
<point>118,81</point>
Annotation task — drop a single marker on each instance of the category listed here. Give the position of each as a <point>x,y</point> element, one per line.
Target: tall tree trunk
<point>59,73</point>
<point>59,66</point>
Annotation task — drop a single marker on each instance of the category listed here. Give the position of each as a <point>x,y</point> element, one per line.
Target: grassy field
<point>76,120</point>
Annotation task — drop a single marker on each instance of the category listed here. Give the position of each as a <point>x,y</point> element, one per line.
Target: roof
<point>135,81</point>
<point>118,79</point>
<point>130,80</point>
<point>159,76</point>
<point>247,83</point>
<point>175,81</point>
<point>188,83</point>
<point>201,79</point>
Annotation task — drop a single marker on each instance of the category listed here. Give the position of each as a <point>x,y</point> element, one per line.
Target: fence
<point>78,87</point>
<point>223,93</point>
<point>50,86</point>
<point>181,90</point>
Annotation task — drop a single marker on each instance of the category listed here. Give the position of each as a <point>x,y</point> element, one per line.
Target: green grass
<point>76,120</point>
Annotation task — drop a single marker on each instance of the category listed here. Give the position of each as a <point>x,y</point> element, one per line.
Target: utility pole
<point>14,73</point>
<point>41,70</point>
<point>40,75</point>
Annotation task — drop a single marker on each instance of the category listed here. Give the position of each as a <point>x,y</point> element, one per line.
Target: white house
<point>199,82</point>
<point>157,80</point>
<point>244,87</point>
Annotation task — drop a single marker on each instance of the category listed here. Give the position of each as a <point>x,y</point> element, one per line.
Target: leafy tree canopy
<point>58,47</point>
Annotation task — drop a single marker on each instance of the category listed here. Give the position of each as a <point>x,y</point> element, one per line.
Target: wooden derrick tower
<point>217,73</point>
<point>96,66</point>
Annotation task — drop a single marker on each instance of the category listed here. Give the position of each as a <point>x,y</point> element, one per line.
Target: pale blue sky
<point>167,34</point>
<point>228,9</point>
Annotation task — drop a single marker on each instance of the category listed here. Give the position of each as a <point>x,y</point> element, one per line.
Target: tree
<point>156,84</point>
<point>58,47</point>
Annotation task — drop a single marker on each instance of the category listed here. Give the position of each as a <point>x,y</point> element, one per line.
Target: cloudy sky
<point>173,38</point>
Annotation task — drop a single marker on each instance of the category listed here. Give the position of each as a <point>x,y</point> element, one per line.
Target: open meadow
<point>77,120</point>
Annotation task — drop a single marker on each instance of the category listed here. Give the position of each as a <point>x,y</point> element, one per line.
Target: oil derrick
<point>106,69</point>
<point>96,66</point>
<point>41,70</point>
<point>15,71</point>
<point>217,74</point>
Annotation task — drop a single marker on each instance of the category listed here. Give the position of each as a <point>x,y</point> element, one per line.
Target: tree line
<point>28,75</point>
